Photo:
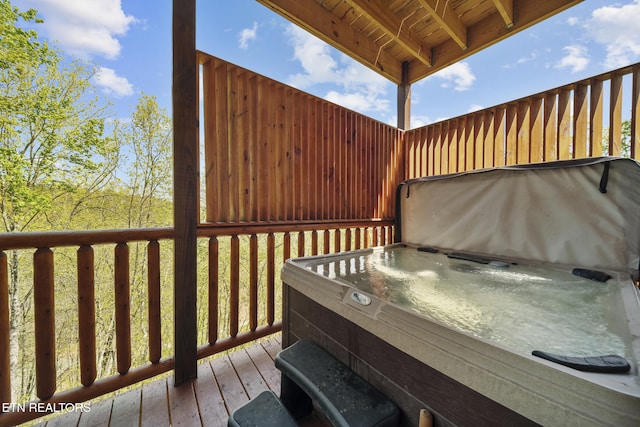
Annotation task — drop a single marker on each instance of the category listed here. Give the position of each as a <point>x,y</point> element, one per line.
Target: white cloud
<point>247,35</point>
<point>576,58</point>
<point>111,83</point>
<point>572,21</point>
<point>459,74</point>
<point>353,85</point>
<point>84,28</point>
<point>616,27</point>
<point>417,121</point>
<point>474,107</point>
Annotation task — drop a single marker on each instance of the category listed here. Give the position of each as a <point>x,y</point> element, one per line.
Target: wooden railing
<point>250,301</point>
<point>45,291</point>
<point>571,121</point>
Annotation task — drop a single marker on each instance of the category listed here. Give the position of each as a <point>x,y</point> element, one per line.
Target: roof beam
<point>444,15</point>
<point>505,8</point>
<point>374,11</point>
<point>335,31</point>
<point>489,31</point>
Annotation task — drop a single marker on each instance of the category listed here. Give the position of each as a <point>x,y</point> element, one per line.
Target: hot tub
<point>454,315</point>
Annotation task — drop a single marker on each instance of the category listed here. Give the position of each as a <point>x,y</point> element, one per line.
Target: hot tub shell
<point>570,214</point>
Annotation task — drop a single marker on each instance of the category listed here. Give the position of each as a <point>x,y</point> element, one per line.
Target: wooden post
<point>185,188</point>
<point>404,99</point>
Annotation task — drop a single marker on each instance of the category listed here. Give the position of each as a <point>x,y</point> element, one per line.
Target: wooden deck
<point>224,384</point>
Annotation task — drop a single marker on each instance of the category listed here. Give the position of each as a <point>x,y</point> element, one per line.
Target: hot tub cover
<point>582,213</point>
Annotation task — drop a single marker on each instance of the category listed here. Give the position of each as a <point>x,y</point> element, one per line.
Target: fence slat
<point>213,293</point>
<point>580,121</point>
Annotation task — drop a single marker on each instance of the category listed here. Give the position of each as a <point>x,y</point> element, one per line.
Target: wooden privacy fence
<point>274,153</point>
<point>570,121</point>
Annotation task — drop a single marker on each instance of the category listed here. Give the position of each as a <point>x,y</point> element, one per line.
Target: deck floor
<point>224,384</point>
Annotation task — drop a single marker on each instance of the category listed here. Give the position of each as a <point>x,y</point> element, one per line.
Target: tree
<point>147,139</point>
<point>51,139</point>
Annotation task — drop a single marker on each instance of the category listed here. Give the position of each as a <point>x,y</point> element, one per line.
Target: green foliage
<point>148,141</point>
<point>51,126</point>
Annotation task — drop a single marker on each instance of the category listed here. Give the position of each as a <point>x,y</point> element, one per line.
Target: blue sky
<point>130,42</point>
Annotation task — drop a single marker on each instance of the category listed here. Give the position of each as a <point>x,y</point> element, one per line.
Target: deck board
<point>98,416</point>
<point>224,384</point>
<point>154,411</point>
<point>210,401</point>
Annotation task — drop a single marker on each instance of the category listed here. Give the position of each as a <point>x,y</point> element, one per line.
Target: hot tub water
<point>521,307</point>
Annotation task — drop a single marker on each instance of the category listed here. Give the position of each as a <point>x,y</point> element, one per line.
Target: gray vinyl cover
<point>582,213</point>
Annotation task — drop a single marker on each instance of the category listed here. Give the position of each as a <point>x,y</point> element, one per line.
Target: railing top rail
<point>49,239</point>
<point>227,229</point>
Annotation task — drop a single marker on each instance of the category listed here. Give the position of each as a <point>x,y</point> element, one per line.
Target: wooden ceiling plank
<point>505,8</point>
<point>395,28</point>
<point>333,30</point>
<point>442,12</point>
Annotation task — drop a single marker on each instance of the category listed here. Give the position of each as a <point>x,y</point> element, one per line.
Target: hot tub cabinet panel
<point>489,268</point>
<point>464,380</point>
<point>411,384</point>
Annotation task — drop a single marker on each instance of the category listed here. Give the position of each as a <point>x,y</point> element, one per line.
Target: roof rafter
<point>394,27</point>
<point>445,16</point>
<point>505,8</point>
<point>320,22</point>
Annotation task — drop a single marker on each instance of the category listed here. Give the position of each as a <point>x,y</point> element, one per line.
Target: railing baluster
<point>155,302</point>
<point>301,243</point>
<point>336,240</point>
<point>358,238</point>
<point>45,332</point>
<point>253,282</point>
<point>314,242</point>
<point>234,286</point>
<point>326,242</point>
<point>271,278</point>
<point>213,289</point>
<point>5,359</point>
<point>123,309</point>
<point>286,246</point>
<point>86,315</point>
<point>347,238</point>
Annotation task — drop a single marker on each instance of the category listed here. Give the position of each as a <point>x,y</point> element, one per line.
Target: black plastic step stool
<point>312,374</point>
<point>264,410</point>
